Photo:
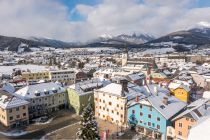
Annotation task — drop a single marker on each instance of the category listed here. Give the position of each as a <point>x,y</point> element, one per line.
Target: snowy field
<point>9,69</point>
<point>158,51</point>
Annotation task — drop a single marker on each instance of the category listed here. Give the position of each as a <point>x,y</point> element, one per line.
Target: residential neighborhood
<point>147,96</point>
<point>104,70</point>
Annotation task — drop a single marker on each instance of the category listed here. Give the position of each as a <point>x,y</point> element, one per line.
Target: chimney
<point>124,84</point>
<point>137,99</point>
<point>165,100</point>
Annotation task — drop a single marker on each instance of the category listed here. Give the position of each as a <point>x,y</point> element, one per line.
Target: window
<point>141,114</point>
<point>140,121</point>
<point>149,123</point>
<point>112,111</point>
<point>107,110</point>
<point>180,133</point>
<point>17,109</point>
<point>110,103</point>
<point>187,119</point>
<point>192,120</point>
<point>121,108</point>
<point>158,119</point>
<point>18,116</point>
<point>109,96</point>
<point>103,108</point>
<point>189,127</point>
<point>158,126</point>
<point>103,101</point>
<point>24,114</point>
<point>100,107</point>
<point>140,106</point>
<point>133,111</point>
<point>117,105</point>
<point>117,113</point>
<point>24,107</point>
<point>10,110</point>
<point>100,100</point>
<point>11,118</point>
<point>149,116</point>
<point>121,116</point>
<point>133,119</point>
<point>180,124</point>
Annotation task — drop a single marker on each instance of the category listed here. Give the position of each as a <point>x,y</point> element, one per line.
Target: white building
<point>64,76</point>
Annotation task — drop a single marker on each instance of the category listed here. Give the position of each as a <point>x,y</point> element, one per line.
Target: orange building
<point>189,118</point>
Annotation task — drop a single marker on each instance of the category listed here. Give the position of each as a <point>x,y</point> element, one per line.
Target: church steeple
<point>125,56</point>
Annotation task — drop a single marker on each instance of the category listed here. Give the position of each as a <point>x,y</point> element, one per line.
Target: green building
<point>80,94</point>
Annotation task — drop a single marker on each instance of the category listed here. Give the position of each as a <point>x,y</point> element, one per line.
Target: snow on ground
<point>9,69</point>
<point>158,51</point>
<point>14,133</point>
<point>38,122</point>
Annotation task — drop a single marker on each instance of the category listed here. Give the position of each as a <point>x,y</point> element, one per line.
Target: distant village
<point>164,95</point>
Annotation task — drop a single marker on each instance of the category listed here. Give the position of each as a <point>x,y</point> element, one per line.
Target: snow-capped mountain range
<point>124,39</point>
<point>195,37</point>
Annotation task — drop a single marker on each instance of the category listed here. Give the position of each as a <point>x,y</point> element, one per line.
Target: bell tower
<point>125,56</point>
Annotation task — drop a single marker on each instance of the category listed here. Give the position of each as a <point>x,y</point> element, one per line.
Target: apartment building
<point>111,101</point>
<point>35,76</point>
<point>64,76</point>
<point>152,116</point>
<point>172,58</point>
<point>82,93</point>
<point>44,98</point>
<point>13,110</point>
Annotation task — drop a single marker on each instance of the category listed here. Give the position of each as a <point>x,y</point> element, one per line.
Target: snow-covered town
<point>105,69</point>
<point>132,93</point>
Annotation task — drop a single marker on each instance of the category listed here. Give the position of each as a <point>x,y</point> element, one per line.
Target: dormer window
<point>46,92</point>
<point>55,91</point>
<point>162,106</point>
<point>37,94</point>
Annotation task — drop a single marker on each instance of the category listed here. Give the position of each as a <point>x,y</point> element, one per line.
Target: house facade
<point>81,94</point>
<point>63,76</point>
<point>13,110</point>
<point>44,98</point>
<point>152,116</point>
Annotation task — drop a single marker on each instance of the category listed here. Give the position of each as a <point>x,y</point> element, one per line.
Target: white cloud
<point>49,18</point>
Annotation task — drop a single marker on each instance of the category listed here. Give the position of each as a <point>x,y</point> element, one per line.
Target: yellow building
<point>13,110</point>
<point>35,76</point>
<point>180,91</point>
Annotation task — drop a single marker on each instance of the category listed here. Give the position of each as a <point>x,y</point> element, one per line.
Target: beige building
<point>13,110</point>
<point>44,98</point>
<point>111,101</point>
<point>64,76</point>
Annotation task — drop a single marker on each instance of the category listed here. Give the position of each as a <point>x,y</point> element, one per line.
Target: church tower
<point>125,57</point>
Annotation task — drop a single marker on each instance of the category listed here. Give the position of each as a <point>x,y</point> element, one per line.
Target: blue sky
<point>84,20</point>
<point>71,4</point>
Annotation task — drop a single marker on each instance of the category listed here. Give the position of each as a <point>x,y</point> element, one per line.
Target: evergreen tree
<point>89,128</point>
